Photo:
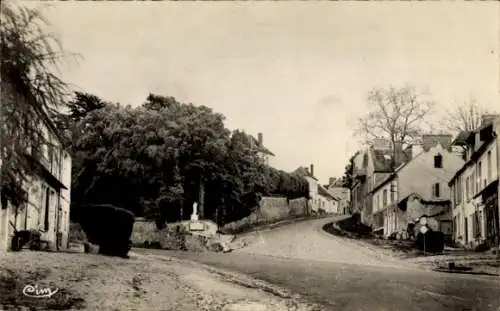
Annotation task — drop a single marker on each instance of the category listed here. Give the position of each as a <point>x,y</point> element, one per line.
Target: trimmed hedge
<point>108,226</point>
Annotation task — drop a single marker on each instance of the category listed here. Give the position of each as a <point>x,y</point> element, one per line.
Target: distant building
<point>417,188</point>
<point>320,199</point>
<point>343,194</point>
<point>265,154</point>
<point>476,188</point>
<point>47,191</point>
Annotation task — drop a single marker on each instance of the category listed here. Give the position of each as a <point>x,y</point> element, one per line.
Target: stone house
<point>319,197</point>
<point>371,166</point>
<point>417,188</point>
<point>47,191</point>
<point>476,188</point>
<point>343,194</point>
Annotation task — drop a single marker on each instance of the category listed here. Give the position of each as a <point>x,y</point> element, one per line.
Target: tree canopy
<point>31,91</point>
<point>153,159</point>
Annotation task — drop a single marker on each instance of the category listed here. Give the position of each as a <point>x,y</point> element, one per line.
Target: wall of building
<point>420,175</point>
<point>344,195</point>
<point>465,206</point>
<point>381,205</point>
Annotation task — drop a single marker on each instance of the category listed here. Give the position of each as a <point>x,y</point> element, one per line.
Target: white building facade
<point>475,188</point>
<point>48,193</point>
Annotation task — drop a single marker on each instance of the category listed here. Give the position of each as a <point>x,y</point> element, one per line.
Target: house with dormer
<point>475,186</point>
<point>371,166</point>
<point>418,187</point>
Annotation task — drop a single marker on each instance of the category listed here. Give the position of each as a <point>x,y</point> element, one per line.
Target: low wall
<point>271,209</point>
<point>176,236</point>
<point>299,207</point>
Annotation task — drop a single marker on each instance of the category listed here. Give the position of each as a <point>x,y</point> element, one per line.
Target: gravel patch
<point>94,282</point>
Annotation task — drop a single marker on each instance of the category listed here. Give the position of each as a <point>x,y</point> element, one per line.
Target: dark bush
<point>108,226</point>
<point>483,247</point>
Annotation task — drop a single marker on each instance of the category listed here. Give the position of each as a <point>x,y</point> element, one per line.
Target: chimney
<point>398,154</point>
<point>312,170</point>
<point>488,118</point>
<point>259,138</point>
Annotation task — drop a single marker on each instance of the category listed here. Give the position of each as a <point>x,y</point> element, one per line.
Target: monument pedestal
<point>195,224</point>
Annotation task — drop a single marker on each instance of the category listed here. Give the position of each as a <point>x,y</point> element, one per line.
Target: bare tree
<point>465,116</point>
<point>396,114</point>
<point>30,89</point>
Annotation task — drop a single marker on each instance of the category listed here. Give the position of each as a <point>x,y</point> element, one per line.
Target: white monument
<point>194,215</point>
<point>195,225</point>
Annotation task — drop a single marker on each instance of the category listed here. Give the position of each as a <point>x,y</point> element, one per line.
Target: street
<point>343,275</point>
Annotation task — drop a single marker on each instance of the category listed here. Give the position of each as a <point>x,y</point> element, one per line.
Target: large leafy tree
<point>159,158</point>
<point>31,91</point>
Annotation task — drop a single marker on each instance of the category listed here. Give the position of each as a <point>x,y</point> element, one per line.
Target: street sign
<point>424,229</point>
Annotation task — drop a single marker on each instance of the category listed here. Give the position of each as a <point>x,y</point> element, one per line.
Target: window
<point>488,165</point>
<point>438,161</point>
<point>467,186</point>
<point>46,208</point>
<point>459,187</point>
<point>476,225</point>
<point>436,190</point>
<point>393,195</point>
<point>479,176</point>
<point>481,227</point>
<point>385,197</point>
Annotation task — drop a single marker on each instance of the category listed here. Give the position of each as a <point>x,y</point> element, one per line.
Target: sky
<point>298,72</point>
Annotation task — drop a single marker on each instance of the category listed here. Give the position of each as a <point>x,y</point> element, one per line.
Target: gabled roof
<point>303,171</point>
<point>431,140</point>
<point>382,159</point>
<point>324,192</point>
<point>260,147</point>
<point>461,138</point>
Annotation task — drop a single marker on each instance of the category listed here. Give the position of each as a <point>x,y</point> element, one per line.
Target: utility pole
<point>393,172</point>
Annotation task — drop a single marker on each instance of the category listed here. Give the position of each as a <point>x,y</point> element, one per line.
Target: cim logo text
<point>36,292</point>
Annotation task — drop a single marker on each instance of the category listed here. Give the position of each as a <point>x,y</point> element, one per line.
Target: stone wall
<point>299,207</point>
<point>271,209</point>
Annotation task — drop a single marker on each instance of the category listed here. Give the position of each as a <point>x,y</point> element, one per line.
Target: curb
<point>463,272</point>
